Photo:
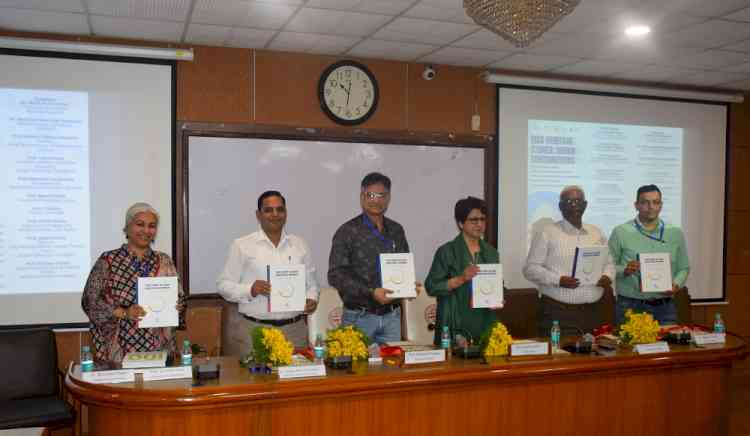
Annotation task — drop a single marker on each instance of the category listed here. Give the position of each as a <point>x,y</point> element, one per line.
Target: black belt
<point>378,310</point>
<point>657,301</point>
<point>275,322</point>
<point>651,302</point>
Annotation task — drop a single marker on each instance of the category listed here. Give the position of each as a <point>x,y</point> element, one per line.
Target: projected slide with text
<point>610,162</point>
<point>45,226</point>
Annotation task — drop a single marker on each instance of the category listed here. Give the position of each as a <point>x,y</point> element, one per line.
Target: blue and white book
<point>397,274</point>
<point>158,297</point>
<point>656,272</point>
<point>288,288</point>
<point>589,262</point>
<point>487,286</point>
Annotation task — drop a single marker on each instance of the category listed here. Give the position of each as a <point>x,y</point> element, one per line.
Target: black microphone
<point>582,345</point>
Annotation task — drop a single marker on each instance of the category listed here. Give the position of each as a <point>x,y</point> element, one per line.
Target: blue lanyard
<point>650,236</point>
<point>376,232</point>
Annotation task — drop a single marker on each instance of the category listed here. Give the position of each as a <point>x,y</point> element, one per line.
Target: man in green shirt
<point>647,234</point>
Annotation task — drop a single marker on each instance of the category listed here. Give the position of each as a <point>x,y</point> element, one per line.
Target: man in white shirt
<point>550,266</point>
<point>243,280</point>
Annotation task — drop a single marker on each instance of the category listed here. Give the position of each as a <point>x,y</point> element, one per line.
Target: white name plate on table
<point>128,375</point>
<point>167,373</point>
<point>709,338</point>
<point>300,371</point>
<point>426,356</point>
<point>529,348</point>
<point>397,274</point>
<point>375,360</point>
<point>110,376</point>
<point>652,348</point>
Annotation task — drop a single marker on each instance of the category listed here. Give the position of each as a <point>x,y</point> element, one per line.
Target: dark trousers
<point>574,319</point>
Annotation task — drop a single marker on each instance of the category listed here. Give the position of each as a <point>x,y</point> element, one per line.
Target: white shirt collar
<point>570,228</point>
<point>264,237</point>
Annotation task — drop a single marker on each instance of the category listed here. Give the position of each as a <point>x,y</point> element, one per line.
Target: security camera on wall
<point>429,73</point>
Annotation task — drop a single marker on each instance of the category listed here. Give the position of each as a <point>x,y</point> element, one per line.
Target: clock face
<point>348,92</point>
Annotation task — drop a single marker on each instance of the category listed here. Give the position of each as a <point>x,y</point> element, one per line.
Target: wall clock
<point>348,92</point>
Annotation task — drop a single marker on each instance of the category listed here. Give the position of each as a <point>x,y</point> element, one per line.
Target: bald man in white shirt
<point>550,264</point>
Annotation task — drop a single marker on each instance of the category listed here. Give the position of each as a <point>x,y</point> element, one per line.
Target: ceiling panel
<point>653,73</point>
<point>171,10</point>
<point>597,68</point>
<point>464,56</point>
<point>249,38</point>
<point>439,11</point>
<point>44,5</point>
<point>401,51</point>
<point>710,78</point>
<point>709,34</point>
<point>310,20</point>
<point>424,31</point>
<point>313,43</point>
<point>383,7</point>
<point>144,29</point>
<point>531,62</point>
<point>43,21</point>
<point>207,34</point>
<point>260,15</point>
<point>703,42</point>
<point>486,40</point>
<point>710,59</point>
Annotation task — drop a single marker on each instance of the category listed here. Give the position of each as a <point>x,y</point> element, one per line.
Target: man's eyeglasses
<point>654,203</point>
<point>573,201</point>
<point>477,220</point>
<point>270,210</point>
<point>376,195</point>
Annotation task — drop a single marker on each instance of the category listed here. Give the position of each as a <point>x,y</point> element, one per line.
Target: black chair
<point>30,388</point>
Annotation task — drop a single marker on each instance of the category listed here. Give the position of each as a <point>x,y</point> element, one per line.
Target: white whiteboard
<point>321,184</point>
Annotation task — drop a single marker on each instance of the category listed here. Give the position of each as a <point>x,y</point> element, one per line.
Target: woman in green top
<point>453,267</point>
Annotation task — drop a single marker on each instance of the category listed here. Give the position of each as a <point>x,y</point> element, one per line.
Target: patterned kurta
<point>113,283</point>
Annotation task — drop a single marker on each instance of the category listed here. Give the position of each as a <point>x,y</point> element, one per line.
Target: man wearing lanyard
<point>549,265</point>
<point>353,265</point>
<point>243,280</point>
<point>647,234</point>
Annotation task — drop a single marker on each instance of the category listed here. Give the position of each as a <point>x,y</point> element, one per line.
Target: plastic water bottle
<point>445,341</point>
<point>719,324</point>
<point>87,359</point>
<point>554,335</point>
<point>187,354</point>
<point>319,348</point>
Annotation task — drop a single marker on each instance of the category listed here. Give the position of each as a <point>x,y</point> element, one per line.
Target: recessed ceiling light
<point>637,30</point>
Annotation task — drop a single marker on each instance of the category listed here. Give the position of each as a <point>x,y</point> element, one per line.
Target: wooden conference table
<point>680,393</point>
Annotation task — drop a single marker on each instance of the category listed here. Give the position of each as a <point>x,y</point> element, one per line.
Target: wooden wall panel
<point>739,124</point>
<point>736,313</point>
<point>738,243</point>
<point>215,87</point>
<point>447,102</point>
<point>286,90</point>
<point>739,178</point>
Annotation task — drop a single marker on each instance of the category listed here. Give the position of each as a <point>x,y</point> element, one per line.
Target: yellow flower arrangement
<point>495,341</point>
<point>347,341</point>
<point>639,328</point>
<point>270,346</point>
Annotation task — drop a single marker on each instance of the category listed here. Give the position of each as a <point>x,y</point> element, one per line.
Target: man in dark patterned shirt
<point>353,263</point>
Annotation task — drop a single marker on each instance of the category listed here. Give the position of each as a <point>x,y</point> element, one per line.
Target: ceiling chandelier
<point>518,21</point>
